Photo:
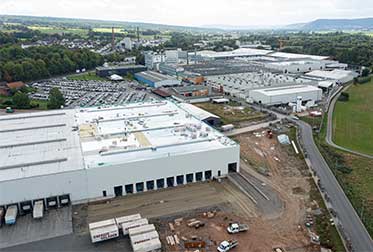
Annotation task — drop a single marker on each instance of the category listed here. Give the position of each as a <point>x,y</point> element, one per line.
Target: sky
<point>247,13</point>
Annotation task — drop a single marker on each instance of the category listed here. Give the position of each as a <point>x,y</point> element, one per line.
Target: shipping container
<point>133,224</point>
<point>152,245</point>
<point>129,218</point>
<point>38,211</point>
<point>11,215</point>
<point>140,238</point>
<point>141,230</point>
<point>103,230</point>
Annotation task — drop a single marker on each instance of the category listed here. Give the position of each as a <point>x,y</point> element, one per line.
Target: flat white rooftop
<point>138,132</point>
<point>43,143</point>
<point>287,90</point>
<point>297,56</point>
<point>336,74</point>
<point>36,144</point>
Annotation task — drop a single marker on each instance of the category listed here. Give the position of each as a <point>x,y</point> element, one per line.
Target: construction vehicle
<point>227,245</point>
<point>234,228</point>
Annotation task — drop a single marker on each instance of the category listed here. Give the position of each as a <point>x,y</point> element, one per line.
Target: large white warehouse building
<point>94,153</point>
<point>285,94</point>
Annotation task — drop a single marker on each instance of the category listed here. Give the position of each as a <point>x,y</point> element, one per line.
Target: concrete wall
<point>285,98</point>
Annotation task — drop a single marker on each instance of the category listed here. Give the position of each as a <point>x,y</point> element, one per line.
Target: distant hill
<point>334,24</point>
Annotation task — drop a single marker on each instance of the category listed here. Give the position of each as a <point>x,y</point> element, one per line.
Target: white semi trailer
<point>126,219</point>
<point>11,215</point>
<point>103,230</point>
<point>141,230</point>
<point>140,238</point>
<point>38,210</point>
<point>152,245</point>
<point>133,224</point>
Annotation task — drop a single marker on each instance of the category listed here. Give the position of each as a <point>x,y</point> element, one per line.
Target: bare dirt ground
<point>288,177</point>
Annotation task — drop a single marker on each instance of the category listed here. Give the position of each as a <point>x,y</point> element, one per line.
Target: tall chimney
<point>112,38</point>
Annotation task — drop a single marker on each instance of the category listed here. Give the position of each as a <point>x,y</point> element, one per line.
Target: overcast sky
<point>194,12</point>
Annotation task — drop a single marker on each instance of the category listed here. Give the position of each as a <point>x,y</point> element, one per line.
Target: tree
<point>365,72</point>
<point>21,100</point>
<point>56,99</point>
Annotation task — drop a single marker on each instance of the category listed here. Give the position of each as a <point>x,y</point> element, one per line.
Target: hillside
<point>335,24</point>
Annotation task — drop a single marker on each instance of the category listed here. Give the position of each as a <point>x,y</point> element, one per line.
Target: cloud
<point>194,12</point>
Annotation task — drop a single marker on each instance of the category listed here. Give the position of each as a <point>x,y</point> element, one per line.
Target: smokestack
<point>112,38</point>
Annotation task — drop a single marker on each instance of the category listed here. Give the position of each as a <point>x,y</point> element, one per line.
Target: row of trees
<point>44,61</point>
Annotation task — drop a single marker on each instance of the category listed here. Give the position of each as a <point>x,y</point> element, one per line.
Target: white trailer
<point>133,224</point>
<point>227,127</point>
<point>141,230</point>
<point>136,239</point>
<point>128,218</point>
<point>38,210</point>
<point>152,245</point>
<point>11,215</point>
<point>103,230</point>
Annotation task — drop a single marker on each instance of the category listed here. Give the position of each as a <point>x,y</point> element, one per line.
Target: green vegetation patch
<point>353,119</point>
<point>231,114</point>
<point>85,77</point>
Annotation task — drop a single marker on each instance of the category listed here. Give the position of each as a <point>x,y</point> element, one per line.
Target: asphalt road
<point>352,226</point>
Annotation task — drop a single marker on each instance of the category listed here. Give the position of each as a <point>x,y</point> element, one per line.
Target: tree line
<point>33,63</point>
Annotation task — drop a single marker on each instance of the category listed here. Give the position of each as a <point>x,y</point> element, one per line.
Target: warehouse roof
<point>153,76</point>
<point>297,56</point>
<point>286,90</point>
<point>190,88</point>
<point>336,74</point>
<point>36,144</point>
<point>130,133</point>
<point>42,143</point>
<point>119,67</point>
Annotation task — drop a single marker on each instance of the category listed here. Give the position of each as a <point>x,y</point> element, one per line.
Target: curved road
<point>329,131</point>
<point>352,226</point>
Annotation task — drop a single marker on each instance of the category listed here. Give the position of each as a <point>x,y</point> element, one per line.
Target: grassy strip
<point>86,77</point>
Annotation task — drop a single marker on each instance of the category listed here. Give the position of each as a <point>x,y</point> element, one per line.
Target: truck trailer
<point>11,215</point>
<point>133,224</point>
<point>141,230</point>
<point>38,210</point>
<point>126,219</point>
<point>140,238</point>
<point>152,245</point>
<point>103,230</point>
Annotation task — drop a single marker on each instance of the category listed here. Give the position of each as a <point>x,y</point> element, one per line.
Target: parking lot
<point>56,222</point>
<point>92,93</point>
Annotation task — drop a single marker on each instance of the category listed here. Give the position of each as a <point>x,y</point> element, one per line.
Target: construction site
<point>270,197</point>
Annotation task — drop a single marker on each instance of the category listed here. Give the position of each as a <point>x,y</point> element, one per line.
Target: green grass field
<point>54,30</point>
<point>353,120</point>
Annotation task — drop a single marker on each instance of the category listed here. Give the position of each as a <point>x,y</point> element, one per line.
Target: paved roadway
<point>329,131</point>
<point>352,226</point>
<point>249,128</point>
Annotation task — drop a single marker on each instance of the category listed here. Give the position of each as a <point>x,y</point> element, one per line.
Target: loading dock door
<point>170,182</point>
<point>199,176</point>
<point>208,175</point>
<point>160,183</point>
<point>232,167</point>
<point>180,179</point>
<point>189,178</point>
<point>140,187</point>
<point>150,185</point>
<point>118,191</point>
<point>129,188</point>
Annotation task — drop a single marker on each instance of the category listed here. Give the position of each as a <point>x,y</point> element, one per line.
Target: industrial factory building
<point>285,94</point>
<point>154,79</point>
<point>119,70</point>
<point>94,153</point>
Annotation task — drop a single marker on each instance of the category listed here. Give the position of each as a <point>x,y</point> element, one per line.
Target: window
<point>170,182</point>
<point>208,174</point>
<point>189,178</point>
<point>129,188</point>
<point>160,183</point>
<point>199,176</point>
<point>180,179</point>
<point>104,193</point>
<point>219,173</point>
<point>150,185</point>
<point>118,191</point>
<point>140,187</point>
